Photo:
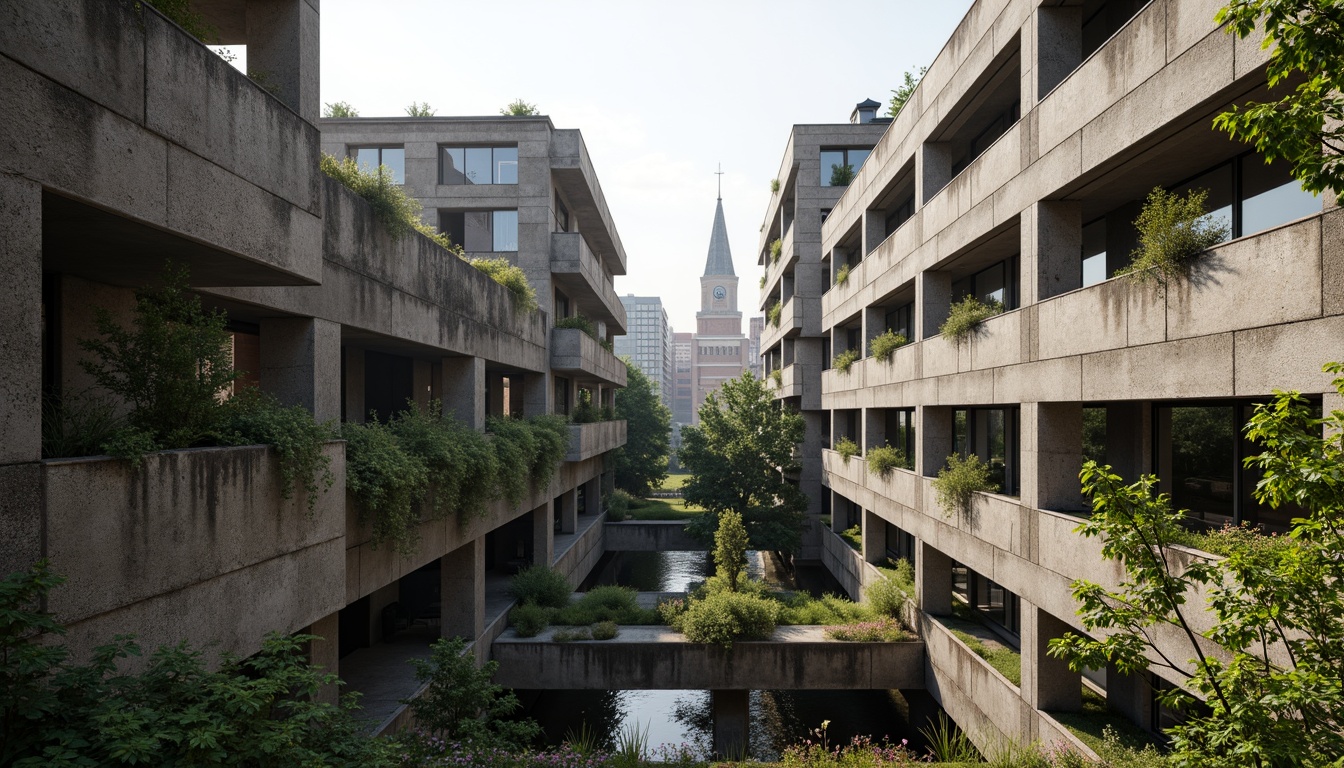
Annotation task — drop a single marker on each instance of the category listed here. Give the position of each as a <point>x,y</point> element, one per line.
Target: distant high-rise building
<point>756,326</point>
<point>683,401</point>
<point>648,341</point>
<point>720,350</point>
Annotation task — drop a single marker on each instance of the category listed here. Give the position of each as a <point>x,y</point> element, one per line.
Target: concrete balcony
<point>189,546</point>
<point>589,440</point>
<point>572,171</point>
<point>581,274</point>
<point>575,352</point>
<point>801,380</point>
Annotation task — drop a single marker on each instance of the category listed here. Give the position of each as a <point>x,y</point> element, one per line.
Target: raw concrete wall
<point>582,556</point>
<point>576,351</point>
<point>651,536</point>
<point>589,440</point>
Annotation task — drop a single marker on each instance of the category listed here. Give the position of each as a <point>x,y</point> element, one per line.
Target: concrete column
<point>874,428</point>
<point>354,385</point>
<point>21,317</point>
<point>1129,439</point>
<point>569,511</point>
<point>536,394</point>
<point>874,230</point>
<point>874,324</point>
<point>732,720</point>
<point>1130,695</point>
<point>1052,249</point>
<point>462,590</point>
<point>543,535</point>
<point>933,299</point>
<point>282,44</point>
<point>464,389</point>
<point>325,653</point>
<point>592,496</point>
<point>1051,455</point>
<point>1056,41</point>
<point>933,169</point>
<point>298,357</point>
<point>933,438</point>
<point>1047,682</point>
<point>933,580</point>
<point>874,537</point>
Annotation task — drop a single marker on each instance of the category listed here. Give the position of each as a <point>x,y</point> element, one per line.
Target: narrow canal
<point>682,717</point>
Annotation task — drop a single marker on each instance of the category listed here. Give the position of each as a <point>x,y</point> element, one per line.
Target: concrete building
<point>719,351</point>
<point>755,326</point>
<point>648,342</point>
<point>1013,173</point>
<point>793,349</point>
<point>683,402</point>
<point>132,143</point>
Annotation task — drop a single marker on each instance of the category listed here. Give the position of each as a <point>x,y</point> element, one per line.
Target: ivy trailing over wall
<point>772,314</point>
<point>776,248</point>
<point>421,464</point>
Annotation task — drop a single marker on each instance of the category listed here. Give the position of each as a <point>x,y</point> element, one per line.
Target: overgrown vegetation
<point>578,322</point>
<point>844,360</point>
<point>903,91</point>
<point>1007,661</point>
<point>884,458</point>
<point>774,186</point>
<point>339,109</point>
<point>180,13</point>
<point>883,345</point>
<point>730,548</point>
<point>772,314</point>
<point>964,316</point>
<point>722,617</point>
<point>512,277</point>
<point>1228,540</point>
<point>888,596</point>
<point>883,630</point>
<point>460,703</point>
<point>777,376</point>
<point>959,481</point>
<point>519,108</point>
<point>1174,231</point>
<point>419,109</point>
<point>776,248</point>
<point>847,449</point>
<point>842,274</point>
<point>853,536</point>
<point>544,598</point>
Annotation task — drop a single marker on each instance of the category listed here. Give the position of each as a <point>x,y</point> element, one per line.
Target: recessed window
<point>840,166</point>
<point>997,282</point>
<point>1094,252</point>
<point>1248,196</point>
<point>991,434</point>
<point>481,231</point>
<point>478,165</point>
<point>370,159</point>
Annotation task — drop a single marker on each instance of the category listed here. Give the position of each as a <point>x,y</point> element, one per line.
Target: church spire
<point>720,259</point>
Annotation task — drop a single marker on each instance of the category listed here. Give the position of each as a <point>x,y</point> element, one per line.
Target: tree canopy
<point>902,94</point>
<point>1304,125</point>
<point>738,459</point>
<point>1275,694</point>
<point>641,463</point>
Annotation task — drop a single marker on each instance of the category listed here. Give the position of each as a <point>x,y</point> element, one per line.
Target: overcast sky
<point>662,92</point>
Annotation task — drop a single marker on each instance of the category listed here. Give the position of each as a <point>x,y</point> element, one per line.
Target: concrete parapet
<point>577,270</point>
<point>652,536</point>
<point>574,351</point>
<point>589,440</point>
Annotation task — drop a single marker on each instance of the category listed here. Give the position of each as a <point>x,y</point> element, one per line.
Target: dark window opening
<point>997,282</point>
<point>992,435</point>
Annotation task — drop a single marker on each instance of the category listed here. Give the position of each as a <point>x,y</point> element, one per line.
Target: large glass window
<point>987,598</point>
<point>839,166</point>
<point>478,165</point>
<point>481,231</point>
<point>991,434</point>
<point>997,282</point>
<point>1248,196</point>
<point>901,320</point>
<point>900,428</point>
<point>372,158</point>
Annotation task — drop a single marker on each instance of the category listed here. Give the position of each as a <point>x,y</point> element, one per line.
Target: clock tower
<point>719,350</point>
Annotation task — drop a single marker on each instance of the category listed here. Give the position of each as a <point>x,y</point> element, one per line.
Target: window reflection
<point>370,159</point>
<point>997,282</point>
<point>1271,196</point>
<point>481,231</point>
<point>1094,252</point>
<point>833,162</point>
<point>992,435</point>
<point>478,165</point>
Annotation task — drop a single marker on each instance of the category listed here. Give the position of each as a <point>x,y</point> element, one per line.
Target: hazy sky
<point>662,92</point>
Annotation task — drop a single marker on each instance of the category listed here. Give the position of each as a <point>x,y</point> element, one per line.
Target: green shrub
<point>670,610</point>
<point>772,314</point>
<point>339,109</point>
<point>79,424</point>
<point>777,376</point>
<point>580,322</point>
<point>529,619</point>
<point>958,482</point>
<point>169,366</point>
<point>519,108</point>
<point>540,585</point>
<point>884,345</point>
<point>844,360</point>
<point>180,13</point>
<point>1174,231</point>
<point>774,186</point>
<point>385,480</point>
<point>605,630</point>
<point>853,536</point>
<point>527,451</point>
<point>461,464</point>
<point>461,703</point>
<point>605,603</point>
<point>506,274</point>
<point>251,418</point>
<point>618,505</point>
<point>842,274</point>
<point>1237,539</point>
<point>800,608</point>
<point>883,630</point>
<point>570,634</point>
<point>551,433</point>
<point>846,448</point>
<point>776,248</point>
<point>883,458</point>
<point>392,205</point>
<point>842,175</point>
<point>730,548</point>
<point>965,316</point>
<point>723,617</point>
<point>887,596</point>
<point>762,281</point>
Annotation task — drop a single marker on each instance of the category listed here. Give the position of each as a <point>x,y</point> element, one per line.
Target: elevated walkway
<point>642,658</point>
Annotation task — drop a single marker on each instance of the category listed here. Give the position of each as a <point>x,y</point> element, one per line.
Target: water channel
<point>682,717</point>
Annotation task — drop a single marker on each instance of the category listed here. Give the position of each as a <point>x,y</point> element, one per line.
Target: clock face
<point>719,292</point>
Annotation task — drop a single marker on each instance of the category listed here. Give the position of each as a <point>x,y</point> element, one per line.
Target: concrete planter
<point>573,351</point>
<point>589,440</point>
<point>195,544</point>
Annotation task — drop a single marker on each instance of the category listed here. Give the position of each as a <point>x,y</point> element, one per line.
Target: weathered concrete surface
<point>661,659</point>
<point>578,271</point>
<point>574,351</point>
<point>652,536</point>
<point>589,440</point>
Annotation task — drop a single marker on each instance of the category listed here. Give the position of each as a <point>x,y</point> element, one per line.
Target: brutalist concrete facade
<point>1026,152</point>
<point>794,351</point>
<point>129,143</point>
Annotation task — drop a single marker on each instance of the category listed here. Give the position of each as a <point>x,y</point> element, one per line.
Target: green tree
<point>1275,694</point>
<point>340,109</point>
<point>419,109</point>
<point>461,703</point>
<point>519,108</point>
<point>641,464</point>
<point>730,548</point>
<point>738,459</point>
<point>1304,126</point>
<point>902,94</point>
